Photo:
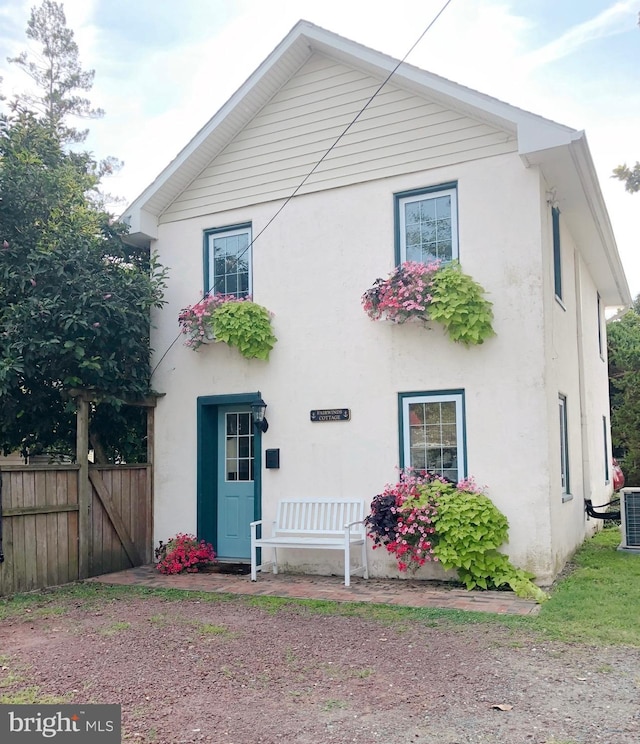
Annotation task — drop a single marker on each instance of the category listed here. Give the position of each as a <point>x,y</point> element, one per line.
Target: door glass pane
<point>239,447</point>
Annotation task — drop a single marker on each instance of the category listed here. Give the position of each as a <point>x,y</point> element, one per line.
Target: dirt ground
<point>231,672</point>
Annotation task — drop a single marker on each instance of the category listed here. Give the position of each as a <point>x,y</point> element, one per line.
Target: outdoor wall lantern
<point>258,407</point>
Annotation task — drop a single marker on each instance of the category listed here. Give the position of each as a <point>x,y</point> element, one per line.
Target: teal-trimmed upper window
<point>227,260</point>
<point>427,224</point>
<point>557,256</point>
<point>432,433</point>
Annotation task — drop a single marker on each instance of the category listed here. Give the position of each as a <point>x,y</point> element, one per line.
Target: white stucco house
<point>306,229</point>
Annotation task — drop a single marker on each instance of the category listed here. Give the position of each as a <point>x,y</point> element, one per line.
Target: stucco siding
<point>310,269</point>
<point>577,370</point>
<point>398,133</point>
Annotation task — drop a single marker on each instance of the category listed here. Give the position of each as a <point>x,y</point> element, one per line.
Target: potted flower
<point>184,553</point>
<point>433,291</point>
<point>237,321</point>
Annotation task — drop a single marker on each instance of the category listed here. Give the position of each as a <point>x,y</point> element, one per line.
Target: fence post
<point>148,551</point>
<point>84,488</point>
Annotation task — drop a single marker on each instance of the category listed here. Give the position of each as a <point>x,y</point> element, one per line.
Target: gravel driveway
<point>235,672</point>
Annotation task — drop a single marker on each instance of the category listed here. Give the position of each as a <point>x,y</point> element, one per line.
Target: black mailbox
<point>272,458</point>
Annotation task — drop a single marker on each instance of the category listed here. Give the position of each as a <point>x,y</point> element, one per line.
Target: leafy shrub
<point>245,325</point>
<point>426,518</point>
<point>458,303</point>
<point>184,553</point>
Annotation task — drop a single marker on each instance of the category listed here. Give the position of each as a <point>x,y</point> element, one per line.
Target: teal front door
<point>235,481</point>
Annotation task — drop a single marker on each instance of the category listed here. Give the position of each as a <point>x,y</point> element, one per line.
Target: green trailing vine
<point>458,303</point>
<point>245,325</point>
<point>469,530</point>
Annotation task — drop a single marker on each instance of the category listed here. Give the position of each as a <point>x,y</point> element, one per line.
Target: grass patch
<point>597,603</point>
<point>31,696</point>
<point>333,704</point>
<point>213,630</point>
<point>114,628</point>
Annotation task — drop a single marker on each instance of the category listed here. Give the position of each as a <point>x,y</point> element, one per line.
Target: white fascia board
<point>237,99</point>
<point>581,157</point>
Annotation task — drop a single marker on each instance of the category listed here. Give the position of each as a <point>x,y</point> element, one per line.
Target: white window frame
<point>230,232</point>
<point>425,195</point>
<point>435,397</point>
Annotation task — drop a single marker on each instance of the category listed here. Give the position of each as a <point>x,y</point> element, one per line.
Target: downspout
<point>584,439</point>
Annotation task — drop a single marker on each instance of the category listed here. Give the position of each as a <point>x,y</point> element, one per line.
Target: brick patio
<point>399,592</point>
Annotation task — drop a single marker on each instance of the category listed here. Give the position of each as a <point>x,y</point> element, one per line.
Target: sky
<point>163,69</point>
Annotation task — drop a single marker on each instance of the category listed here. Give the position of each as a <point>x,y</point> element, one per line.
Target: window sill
<point>567,497</point>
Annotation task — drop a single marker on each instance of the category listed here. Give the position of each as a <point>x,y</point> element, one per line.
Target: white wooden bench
<point>322,524</point>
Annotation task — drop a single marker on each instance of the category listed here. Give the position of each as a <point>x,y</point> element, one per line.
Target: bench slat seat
<point>324,524</point>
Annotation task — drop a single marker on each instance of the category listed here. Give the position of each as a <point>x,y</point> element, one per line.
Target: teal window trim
<point>207,442</point>
<point>600,328</point>
<point>458,395</point>
<point>397,204</point>
<point>557,255</point>
<point>206,253</point>
<point>564,448</point>
<point>605,440</point>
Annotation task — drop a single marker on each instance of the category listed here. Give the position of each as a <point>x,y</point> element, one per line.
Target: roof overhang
<point>304,40</point>
<point>569,171</point>
<point>560,151</point>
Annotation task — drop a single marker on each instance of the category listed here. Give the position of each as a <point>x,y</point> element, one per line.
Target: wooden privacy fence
<point>41,525</point>
<point>62,523</point>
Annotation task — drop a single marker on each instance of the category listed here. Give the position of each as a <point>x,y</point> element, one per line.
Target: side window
<point>427,225</point>
<point>600,329</point>
<point>605,440</point>
<point>433,433</point>
<point>557,256</point>
<point>228,261</point>
<point>564,447</point>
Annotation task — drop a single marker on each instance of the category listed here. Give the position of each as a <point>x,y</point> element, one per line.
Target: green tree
<point>74,298</point>
<point>631,176</point>
<point>56,72</point>
<point>624,388</point>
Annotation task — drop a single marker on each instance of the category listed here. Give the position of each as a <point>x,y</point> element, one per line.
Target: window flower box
<point>419,292</point>
<point>237,321</point>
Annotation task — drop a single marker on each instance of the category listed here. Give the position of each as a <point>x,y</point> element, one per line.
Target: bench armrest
<point>352,524</point>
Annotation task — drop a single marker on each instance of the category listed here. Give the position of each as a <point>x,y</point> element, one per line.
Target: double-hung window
<point>564,448</point>
<point>427,224</point>
<point>605,442</point>
<point>228,261</point>
<point>432,433</point>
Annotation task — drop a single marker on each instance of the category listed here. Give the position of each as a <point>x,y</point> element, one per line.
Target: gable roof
<point>561,152</point>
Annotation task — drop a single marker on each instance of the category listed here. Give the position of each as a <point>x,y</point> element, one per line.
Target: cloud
<point>614,20</point>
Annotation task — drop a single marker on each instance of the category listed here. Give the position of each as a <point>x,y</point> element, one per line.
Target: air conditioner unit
<point>630,519</point>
